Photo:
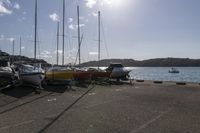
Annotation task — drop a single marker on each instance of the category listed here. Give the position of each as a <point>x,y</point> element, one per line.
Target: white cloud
<point>46,54</point>
<point>3,8</point>
<point>91,3</point>
<point>59,51</point>
<point>16,6</point>
<point>94,14</point>
<point>73,26</point>
<point>81,25</point>
<point>93,53</point>
<point>54,17</point>
<point>22,48</point>
<point>70,20</point>
<point>10,39</point>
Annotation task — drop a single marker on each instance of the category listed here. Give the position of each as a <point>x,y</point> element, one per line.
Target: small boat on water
<point>174,70</point>
<point>118,71</point>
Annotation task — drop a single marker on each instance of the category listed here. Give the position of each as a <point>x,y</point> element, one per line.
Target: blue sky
<point>137,29</point>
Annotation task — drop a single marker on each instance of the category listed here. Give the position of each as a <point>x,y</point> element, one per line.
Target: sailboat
<point>60,74</point>
<point>8,77</point>
<point>98,73</point>
<point>32,74</point>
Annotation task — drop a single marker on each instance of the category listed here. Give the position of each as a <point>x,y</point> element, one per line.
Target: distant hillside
<point>159,62</point>
<point>5,57</point>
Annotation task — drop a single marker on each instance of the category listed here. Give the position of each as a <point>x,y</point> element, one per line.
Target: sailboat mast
<point>13,48</point>
<point>63,33</point>
<point>35,40</point>
<point>57,58</point>
<point>99,40</point>
<point>79,45</point>
<point>20,45</point>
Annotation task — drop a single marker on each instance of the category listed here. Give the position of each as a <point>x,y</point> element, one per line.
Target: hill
<point>159,62</point>
<point>5,57</point>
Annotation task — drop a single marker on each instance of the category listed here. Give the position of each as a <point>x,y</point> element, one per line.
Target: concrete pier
<point>144,107</point>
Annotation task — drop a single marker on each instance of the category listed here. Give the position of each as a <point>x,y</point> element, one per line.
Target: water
<point>187,74</point>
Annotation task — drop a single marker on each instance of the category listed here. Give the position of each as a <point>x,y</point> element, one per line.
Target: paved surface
<point>142,108</point>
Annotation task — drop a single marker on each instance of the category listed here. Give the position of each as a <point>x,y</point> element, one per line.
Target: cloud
<point>54,17</point>
<point>73,26</point>
<point>70,20</point>
<point>16,6</point>
<point>59,51</point>
<point>91,3</point>
<point>10,39</point>
<point>3,38</point>
<point>22,48</point>
<point>3,8</point>
<point>93,53</point>
<point>46,54</point>
<point>94,14</point>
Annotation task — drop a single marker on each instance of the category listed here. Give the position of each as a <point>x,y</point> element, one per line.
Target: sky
<point>134,29</point>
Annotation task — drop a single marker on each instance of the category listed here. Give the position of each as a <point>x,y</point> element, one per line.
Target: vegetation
<point>159,62</point>
<point>5,57</point>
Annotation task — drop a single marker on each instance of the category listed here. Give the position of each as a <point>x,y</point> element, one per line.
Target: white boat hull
<point>119,73</point>
<point>32,78</point>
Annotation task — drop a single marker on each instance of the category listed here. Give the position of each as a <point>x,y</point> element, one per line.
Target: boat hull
<point>82,75</point>
<point>59,75</point>
<point>100,75</point>
<point>32,78</point>
<point>119,73</point>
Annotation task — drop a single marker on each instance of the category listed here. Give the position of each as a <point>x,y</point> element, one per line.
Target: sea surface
<point>187,74</point>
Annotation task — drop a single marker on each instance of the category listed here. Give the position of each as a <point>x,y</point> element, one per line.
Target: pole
<point>13,48</point>
<point>79,49</point>
<point>99,29</point>
<point>63,47</point>
<point>20,44</point>
<point>57,58</point>
<point>35,40</point>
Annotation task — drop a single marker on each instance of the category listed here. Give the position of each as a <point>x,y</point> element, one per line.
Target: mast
<point>35,40</point>
<point>20,45</point>
<point>99,40</point>
<point>63,33</point>
<point>79,45</point>
<point>13,48</point>
<point>57,58</point>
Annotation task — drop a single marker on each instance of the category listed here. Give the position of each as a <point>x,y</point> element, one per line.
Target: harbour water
<point>187,74</point>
